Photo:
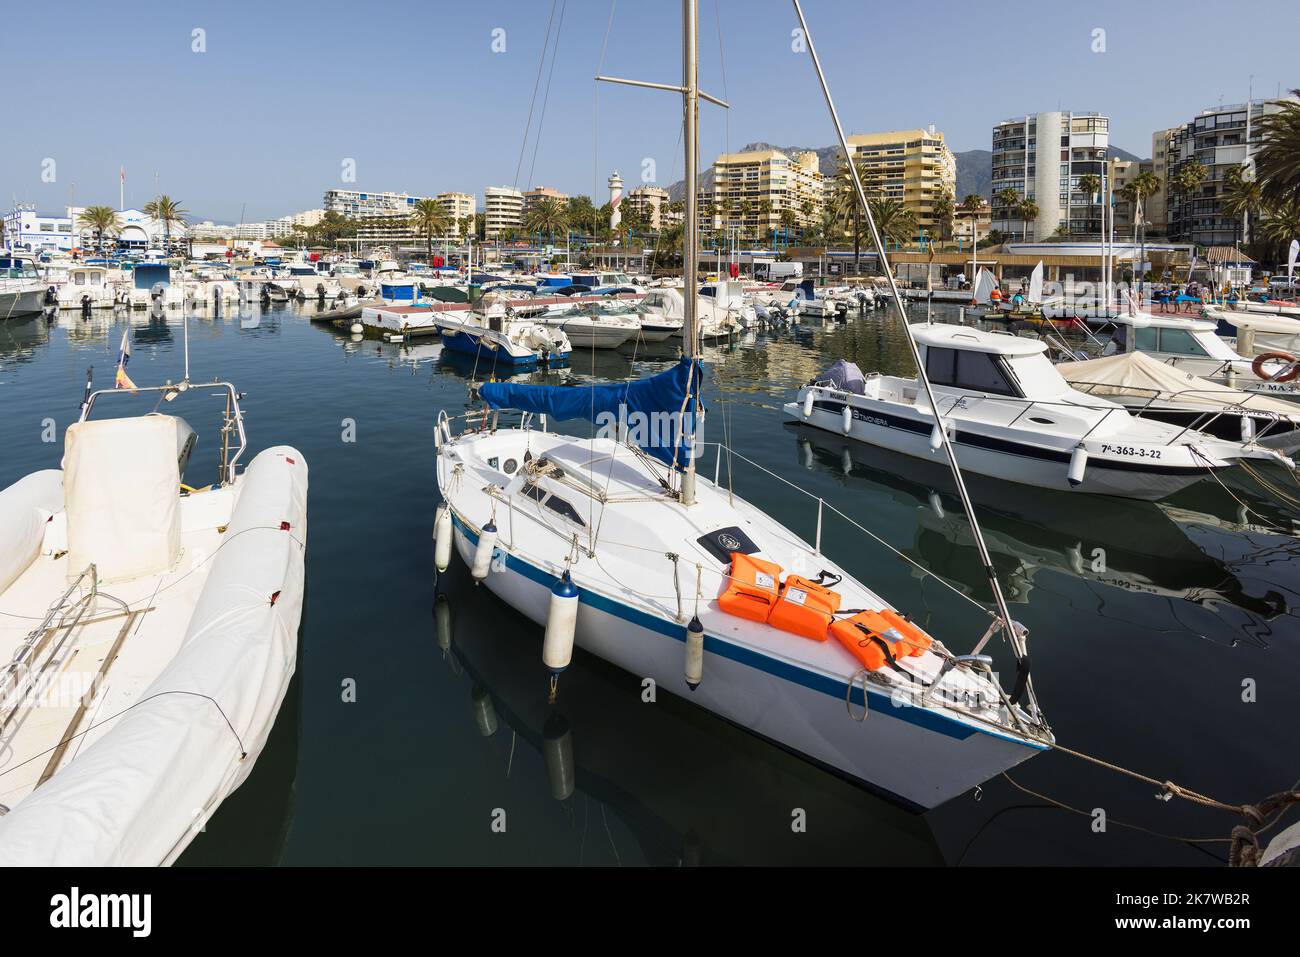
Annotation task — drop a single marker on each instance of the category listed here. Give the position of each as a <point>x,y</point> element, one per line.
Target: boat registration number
<point>1129,450</point>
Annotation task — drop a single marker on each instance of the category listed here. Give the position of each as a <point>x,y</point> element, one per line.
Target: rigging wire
<point>546,94</point>
<point>546,42</point>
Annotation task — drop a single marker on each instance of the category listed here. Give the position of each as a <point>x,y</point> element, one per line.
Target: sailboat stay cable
<point>1008,625</point>
<point>541,62</point>
<point>546,93</point>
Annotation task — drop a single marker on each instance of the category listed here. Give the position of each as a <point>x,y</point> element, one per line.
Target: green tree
<point>1277,164</point>
<point>895,222</point>
<point>1243,197</point>
<point>430,218</point>
<point>1026,211</point>
<point>548,217</point>
<point>102,220</point>
<point>165,210</point>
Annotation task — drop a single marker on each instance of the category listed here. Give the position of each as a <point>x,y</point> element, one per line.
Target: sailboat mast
<point>690,224</point>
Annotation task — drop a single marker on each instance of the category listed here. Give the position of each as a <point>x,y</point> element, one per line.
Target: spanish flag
<point>123,381</point>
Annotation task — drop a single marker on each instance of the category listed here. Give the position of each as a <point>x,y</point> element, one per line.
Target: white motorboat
<point>1251,334</point>
<point>797,297</point>
<point>1150,389</point>
<point>496,339</point>
<point>666,308</point>
<point>588,327</point>
<point>87,287</point>
<point>22,290</point>
<point>150,633</point>
<point>1193,346</point>
<point>1012,416</point>
<point>619,547</point>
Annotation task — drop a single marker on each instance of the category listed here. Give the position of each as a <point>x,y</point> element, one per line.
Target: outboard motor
<point>85,306</point>
<point>52,296</point>
<point>320,295</point>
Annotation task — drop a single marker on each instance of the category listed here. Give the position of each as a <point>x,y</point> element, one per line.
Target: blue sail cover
<point>652,413</point>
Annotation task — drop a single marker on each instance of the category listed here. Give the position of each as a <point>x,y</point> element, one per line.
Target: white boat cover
<point>140,793</point>
<point>1138,375</point>
<point>122,496</point>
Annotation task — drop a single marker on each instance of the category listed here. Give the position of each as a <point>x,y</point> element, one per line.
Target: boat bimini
<point>616,545</point>
<point>149,633</point>
<point>1011,415</point>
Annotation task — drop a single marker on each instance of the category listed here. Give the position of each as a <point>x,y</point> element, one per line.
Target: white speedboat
<point>1193,346</point>
<point>497,340</point>
<point>666,308</point>
<point>589,327</point>
<point>86,287</point>
<point>1151,389</point>
<point>22,290</point>
<point>1012,416</point>
<point>616,545</point>
<point>150,633</point>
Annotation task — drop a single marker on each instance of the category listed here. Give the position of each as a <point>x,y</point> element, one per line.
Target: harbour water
<point>1163,636</point>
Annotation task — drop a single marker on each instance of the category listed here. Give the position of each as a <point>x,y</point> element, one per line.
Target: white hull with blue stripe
<point>598,508</point>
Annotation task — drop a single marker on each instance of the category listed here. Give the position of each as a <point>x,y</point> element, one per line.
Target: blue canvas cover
<point>649,411</point>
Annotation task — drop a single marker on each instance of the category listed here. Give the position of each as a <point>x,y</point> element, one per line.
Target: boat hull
<point>470,345</point>
<point>1012,462</point>
<point>22,303</point>
<point>894,752</point>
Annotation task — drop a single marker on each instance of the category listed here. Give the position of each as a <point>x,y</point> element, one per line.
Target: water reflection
<point>689,787</point>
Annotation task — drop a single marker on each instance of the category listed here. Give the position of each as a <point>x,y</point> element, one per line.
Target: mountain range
<point>974,167</point>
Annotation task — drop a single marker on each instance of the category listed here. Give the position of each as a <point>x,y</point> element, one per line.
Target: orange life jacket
<point>805,608</point>
<point>869,634</point>
<point>750,590</point>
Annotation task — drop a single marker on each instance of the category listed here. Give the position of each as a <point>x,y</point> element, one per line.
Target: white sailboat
<point>617,546</point>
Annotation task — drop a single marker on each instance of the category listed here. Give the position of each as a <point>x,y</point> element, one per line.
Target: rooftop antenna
<point>1010,629</point>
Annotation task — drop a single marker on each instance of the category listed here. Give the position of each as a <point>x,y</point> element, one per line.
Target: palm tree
<point>1280,225</point>
<point>1277,164</point>
<point>430,217</point>
<point>165,210</point>
<point>896,223</point>
<point>945,214</point>
<point>1008,198</point>
<point>550,216</point>
<point>1187,179</point>
<point>101,220</point>
<point>1027,210</point>
<point>1242,198</point>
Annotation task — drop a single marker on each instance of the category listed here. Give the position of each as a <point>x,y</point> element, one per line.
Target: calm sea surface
<point>1164,636</point>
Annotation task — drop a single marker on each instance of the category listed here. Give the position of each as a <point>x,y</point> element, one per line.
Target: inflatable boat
<point>148,633</point>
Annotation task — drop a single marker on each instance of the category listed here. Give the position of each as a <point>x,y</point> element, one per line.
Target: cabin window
<point>982,372</point>
<point>1146,340</point>
<point>941,366</point>
<point>1180,342</point>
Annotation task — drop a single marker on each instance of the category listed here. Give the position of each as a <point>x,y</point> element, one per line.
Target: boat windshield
<point>1178,342</point>
<point>969,370</point>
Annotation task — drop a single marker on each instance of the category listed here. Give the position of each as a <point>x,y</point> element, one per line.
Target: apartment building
<point>1221,140</point>
<point>751,191</point>
<point>914,167</point>
<point>652,202</point>
<point>1042,157</point>
<point>357,205</point>
<point>503,210</point>
<point>537,194</point>
<point>459,206</point>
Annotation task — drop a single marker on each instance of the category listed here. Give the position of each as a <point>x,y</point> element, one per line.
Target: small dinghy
<point>150,633</point>
<point>1011,415</point>
<point>1153,390</point>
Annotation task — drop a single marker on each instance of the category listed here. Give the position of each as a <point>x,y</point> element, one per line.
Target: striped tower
<point>615,199</point>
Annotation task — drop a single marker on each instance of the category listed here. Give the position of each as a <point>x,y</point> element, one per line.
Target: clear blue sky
<point>413,92</point>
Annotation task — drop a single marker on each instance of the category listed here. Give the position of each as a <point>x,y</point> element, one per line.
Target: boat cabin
<point>1168,338</point>
<point>970,360</point>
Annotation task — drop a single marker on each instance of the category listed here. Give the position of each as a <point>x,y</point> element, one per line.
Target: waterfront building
<point>538,193</point>
<point>503,209</point>
<point>1042,157</point>
<point>752,189</point>
<point>459,206</point>
<point>358,205</point>
<point>653,204</point>
<point>28,230</point>
<point>914,167</point>
<point>1222,140</point>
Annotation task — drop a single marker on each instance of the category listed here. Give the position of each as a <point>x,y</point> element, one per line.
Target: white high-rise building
<point>503,209</point>
<point>1042,157</point>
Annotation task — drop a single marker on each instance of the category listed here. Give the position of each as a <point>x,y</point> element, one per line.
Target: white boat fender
<point>1247,428</point>
<point>561,625</point>
<point>694,653</point>
<point>557,750</point>
<point>848,418</point>
<point>808,399</point>
<point>487,543</point>
<point>356,328</point>
<point>936,438</point>
<point>442,623</point>
<point>442,534</point>
<point>1078,464</point>
<point>485,712</point>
